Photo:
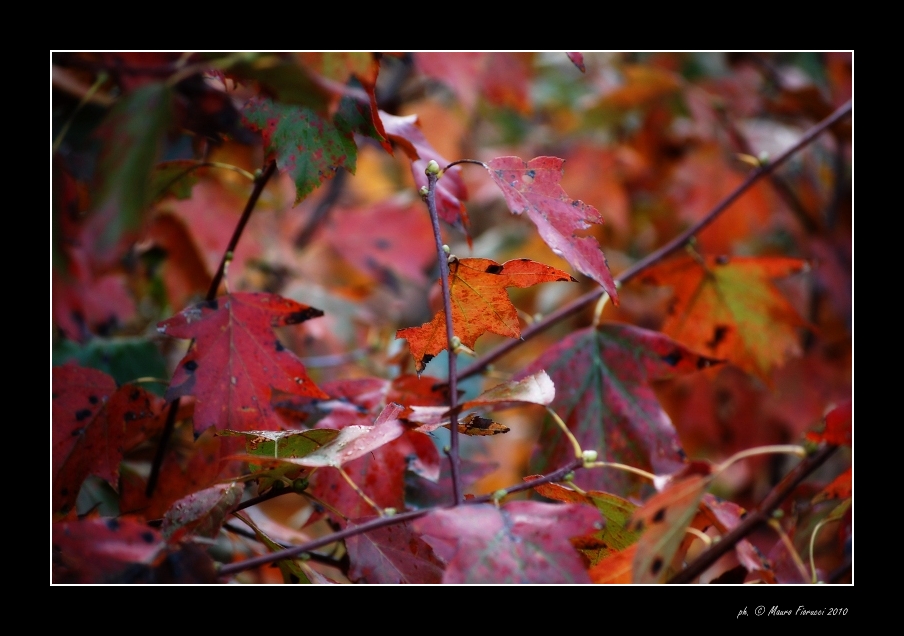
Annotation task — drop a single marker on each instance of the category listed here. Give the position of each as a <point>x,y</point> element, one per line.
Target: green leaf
<point>126,359</point>
<point>306,145</point>
<point>133,135</point>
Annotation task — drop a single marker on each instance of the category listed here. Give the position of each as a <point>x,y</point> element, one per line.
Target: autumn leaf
<point>355,441</point>
<point>391,555</point>
<point>533,188</point>
<point>838,427</point>
<point>520,542</point>
<point>536,388</point>
<point>616,511</point>
<point>201,513</point>
<point>603,394</point>
<point>306,145</point>
<point>450,190</point>
<point>193,465</point>
<point>479,304</point>
<point>663,520</point>
<point>102,550</point>
<point>90,416</point>
<point>236,361</point>
<point>729,308</point>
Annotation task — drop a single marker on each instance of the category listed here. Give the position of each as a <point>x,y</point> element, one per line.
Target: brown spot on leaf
<point>672,358</point>
<point>493,269</point>
<point>82,414</point>
<point>656,566</point>
<point>190,366</point>
<point>659,516</point>
<point>719,334</point>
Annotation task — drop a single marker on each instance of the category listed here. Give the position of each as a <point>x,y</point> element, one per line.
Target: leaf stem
<point>789,449</point>
<point>360,492</point>
<point>624,467</point>
<point>457,495</point>
<point>675,244</point>
<point>578,451</point>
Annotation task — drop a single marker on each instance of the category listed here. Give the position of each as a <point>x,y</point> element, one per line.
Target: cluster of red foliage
<point>256,357</point>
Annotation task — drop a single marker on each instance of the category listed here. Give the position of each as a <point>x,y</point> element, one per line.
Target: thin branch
<point>259,184</point>
<point>753,519</point>
<point>455,468</point>
<point>382,522</point>
<point>672,246</point>
<point>337,183</point>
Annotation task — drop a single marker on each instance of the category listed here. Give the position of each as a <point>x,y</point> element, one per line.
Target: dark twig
<point>672,246</point>
<point>322,210</point>
<point>249,564</point>
<point>432,178</point>
<point>753,519</point>
<point>259,184</point>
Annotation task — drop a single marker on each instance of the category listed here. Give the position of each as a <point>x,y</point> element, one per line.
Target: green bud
<point>432,167</point>
<point>424,191</point>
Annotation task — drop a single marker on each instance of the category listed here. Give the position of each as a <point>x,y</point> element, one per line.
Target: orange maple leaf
<point>479,304</point>
<point>728,308</point>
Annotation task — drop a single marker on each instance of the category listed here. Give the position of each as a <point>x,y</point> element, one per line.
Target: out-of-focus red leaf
<point>479,304</point>
<point>190,468</point>
<point>663,520</point>
<point>236,361</point>
<point>499,77</point>
<point>102,550</point>
<point>389,239</point>
<point>90,417</point>
<point>521,542</point>
<point>839,426</point>
<point>725,515</point>
<point>392,555</point>
<point>840,488</point>
<point>603,394</point>
<point>729,308</point>
<point>184,273</point>
<point>450,189</point>
<point>533,187</point>
<point>201,513</point>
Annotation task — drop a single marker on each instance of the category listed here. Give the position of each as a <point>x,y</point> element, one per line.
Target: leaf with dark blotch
<point>663,520</point>
<point>392,555</point>
<point>306,145</point>
<point>730,309</point>
<point>236,361</point>
<point>616,511</point>
<point>520,542</point>
<point>479,304</point>
<point>603,393</point>
<point>102,550</point>
<point>533,188</point>
<point>90,420</point>
<point>536,388</point>
<point>201,513</point>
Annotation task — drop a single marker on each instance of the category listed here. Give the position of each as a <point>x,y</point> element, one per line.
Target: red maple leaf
<point>533,187</point>
<point>603,393</point>
<point>479,303</point>
<point>90,416</point>
<point>236,361</point>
